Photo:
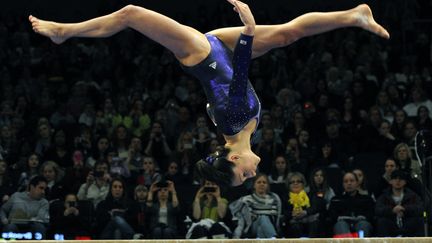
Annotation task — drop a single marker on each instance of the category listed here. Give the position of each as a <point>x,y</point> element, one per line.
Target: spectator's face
<point>103,144</point>
<point>304,136</point>
<point>163,193</point>
<point>102,168</point>
<point>402,153</point>
<point>423,113</point>
<point>60,138</point>
<point>266,120</point>
<point>201,122</point>
<point>117,189</point>
<point>33,161</point>
<point>213,145</point>
<point>397,183</point>
<point>399,117</point>
<point>384,128</point>
<point>410,131</point>
<point>268,135</point>
<point>44,131</point>
<point>136,144</point>
<point>49,173</point>
<point>141,195</point>
<point>390,166</point>
<point>172,169</point>
<point>37,192</point>
<point>6,132</point>
<point>70,199</point>
<point>296,184</point>
<point>261,186</point>
<point>121,133</point>
<point>280,163</point>
<point>148,164</point>
<point>318,178</point>
<point>350,183</point>
<point>383,98</point>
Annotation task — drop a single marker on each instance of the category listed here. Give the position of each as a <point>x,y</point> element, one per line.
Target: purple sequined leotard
<point>232,101</point>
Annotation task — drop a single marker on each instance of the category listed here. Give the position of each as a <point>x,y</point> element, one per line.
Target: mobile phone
<point>187,146</point>
<point>209,189</point>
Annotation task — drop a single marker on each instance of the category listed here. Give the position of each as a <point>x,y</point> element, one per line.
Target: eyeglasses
<point>296,182</point>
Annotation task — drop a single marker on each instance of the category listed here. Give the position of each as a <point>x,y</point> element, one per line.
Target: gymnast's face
<point>245,166</point>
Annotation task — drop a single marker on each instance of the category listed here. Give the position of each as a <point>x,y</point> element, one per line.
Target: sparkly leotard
<point>232,101</point>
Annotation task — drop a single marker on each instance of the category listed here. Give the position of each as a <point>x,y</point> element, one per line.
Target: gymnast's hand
<point>246,16</point>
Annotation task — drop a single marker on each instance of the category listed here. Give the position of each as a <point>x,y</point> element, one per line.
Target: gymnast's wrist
<point>249,30</point>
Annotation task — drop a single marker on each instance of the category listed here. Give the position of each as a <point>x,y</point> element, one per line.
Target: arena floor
<point>328,240</point>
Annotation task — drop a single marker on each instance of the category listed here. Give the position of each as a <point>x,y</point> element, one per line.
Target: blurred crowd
<point>99,137</point>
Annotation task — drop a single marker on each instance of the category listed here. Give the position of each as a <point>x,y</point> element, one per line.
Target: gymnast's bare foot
<point>364,19</point>
<point>49,29</point>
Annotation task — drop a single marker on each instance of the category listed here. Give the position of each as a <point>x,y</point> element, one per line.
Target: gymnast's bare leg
<point>268,37</point>
<point>188,45</point>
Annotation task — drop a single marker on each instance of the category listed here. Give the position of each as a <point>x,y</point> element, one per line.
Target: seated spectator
<point>390,165</point>
<point>319,186</point>
<point>279,173</point>
<point>66,218</point>
<point>139,208</point>
<point>76,174</point>
<point>302,211</point>
<point>114,215</point>
<point>351,211</point>
<point>149,175</point>
<point>163,211</point>
<point>99,151</point>
<point>53,174</point>
<point>208,210</point>
<point>399,210</point>
<point>186,153</point>
<point>423,119</point>
<point>173,174</point>
<point>363,186</point>
<point>97,184</point>
<point>31,169</point>
<point>59,151</point>
<point>258,214</point>
<point>27,210</point>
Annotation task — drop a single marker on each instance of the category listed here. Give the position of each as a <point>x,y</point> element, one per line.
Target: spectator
<point>53,174</point>
<point>399,210</point>
<point>59,150</point>
<point>424,121</point>
<point>163,211</point>
<point>139,208</point>
<point>186,152</point>
<point>208,211</point>
<point>302,212</point>
<point>99,152</point>
<point>319,186</point>
<point>397,128</point>
<point>267,149</point>
<point>114,214</point>
<point>383,184</point>
<point>27,210</point>
<point>157,145</point>
<point>31,169</point>
<point>76,174</point>
<point>67,219</point>
<point>363,187</point>
<point>259,213</point>
<point>351,211</point>
<point>149,173</point>
<point>418,98</point>
<point>96,186</point>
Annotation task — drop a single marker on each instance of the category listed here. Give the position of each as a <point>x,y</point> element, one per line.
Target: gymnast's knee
<point>127,12</point>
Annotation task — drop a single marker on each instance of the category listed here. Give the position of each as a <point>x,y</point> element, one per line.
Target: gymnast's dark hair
<point>216,168</point>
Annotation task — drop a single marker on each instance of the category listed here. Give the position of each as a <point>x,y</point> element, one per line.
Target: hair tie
<point>210,160</point>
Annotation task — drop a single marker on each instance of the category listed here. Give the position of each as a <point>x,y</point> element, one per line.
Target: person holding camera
<point>66,218</point>
<point>157,145</point>
<point>114,215</point>
<point>97,184</point>
<point>209,208</point>
<point>163,211</point>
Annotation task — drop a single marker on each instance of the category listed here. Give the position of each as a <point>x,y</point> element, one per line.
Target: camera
<point>162,184</point>
<point>209,189</point>
<point>72,204</point>
<point>98,174</point>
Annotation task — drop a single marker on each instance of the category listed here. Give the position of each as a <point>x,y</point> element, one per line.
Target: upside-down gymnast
<point>232,102</point>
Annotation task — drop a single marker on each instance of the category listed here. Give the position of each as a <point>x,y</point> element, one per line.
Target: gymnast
<point>220,60</point>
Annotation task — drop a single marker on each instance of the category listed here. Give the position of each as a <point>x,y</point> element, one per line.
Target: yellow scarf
<point>299,200</point>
